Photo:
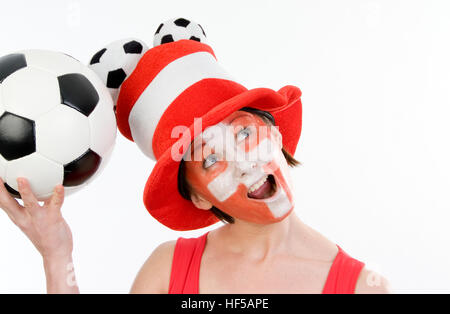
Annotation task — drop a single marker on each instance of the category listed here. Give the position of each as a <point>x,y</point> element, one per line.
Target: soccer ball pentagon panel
<point>114,63</point>
<point>178,29</point>
<point>57,124</point>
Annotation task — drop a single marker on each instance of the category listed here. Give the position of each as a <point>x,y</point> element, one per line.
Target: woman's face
<point>238,166</point>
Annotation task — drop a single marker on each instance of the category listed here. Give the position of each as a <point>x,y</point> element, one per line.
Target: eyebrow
<point>240,116</point>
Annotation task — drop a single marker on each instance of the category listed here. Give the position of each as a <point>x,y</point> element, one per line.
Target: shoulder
<point>370,282</point>
<point>154,276</point>
<point>315,245</point>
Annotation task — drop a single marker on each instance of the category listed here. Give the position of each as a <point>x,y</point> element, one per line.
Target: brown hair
<point>185,190</point>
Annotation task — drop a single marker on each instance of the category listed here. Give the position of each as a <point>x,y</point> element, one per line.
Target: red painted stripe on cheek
<point>240,206</point>
<point>199,177</point>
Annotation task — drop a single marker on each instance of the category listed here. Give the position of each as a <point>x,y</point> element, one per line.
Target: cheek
<point>280,169</point>
<point>228,194</point>
<point>200,179</point>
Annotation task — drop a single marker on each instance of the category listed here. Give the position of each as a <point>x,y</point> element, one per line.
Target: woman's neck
<point>261,241</point>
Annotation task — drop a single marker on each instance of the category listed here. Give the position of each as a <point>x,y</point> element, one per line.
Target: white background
<point>375,77</point>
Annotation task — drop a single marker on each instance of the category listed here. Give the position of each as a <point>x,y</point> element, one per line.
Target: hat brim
<point>161,196</point>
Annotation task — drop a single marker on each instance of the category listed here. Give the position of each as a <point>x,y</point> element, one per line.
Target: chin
<point>266,221</point>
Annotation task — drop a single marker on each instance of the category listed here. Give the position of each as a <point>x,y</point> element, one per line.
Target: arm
<point>47,230</point>
<point>154,276</point>
<point>60,276</point>
<point>370,282</point>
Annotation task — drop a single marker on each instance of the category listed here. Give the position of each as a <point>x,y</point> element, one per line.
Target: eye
<point>210,160</point>
<point>243,134</point>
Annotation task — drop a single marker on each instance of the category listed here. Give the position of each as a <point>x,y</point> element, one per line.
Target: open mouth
<point>264,188</point>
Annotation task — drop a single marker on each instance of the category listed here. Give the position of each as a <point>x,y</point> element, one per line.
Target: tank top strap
<point>184,277</point>
<point>343,274</point>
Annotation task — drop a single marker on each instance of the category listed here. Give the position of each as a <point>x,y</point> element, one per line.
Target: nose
<point>244,167</point>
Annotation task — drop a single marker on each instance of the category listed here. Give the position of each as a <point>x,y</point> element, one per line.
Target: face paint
<point>245,173</point>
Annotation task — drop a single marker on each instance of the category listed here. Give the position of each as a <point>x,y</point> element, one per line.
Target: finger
<point>57,199</point>
<point>28,198</point>
<point>8,203</point>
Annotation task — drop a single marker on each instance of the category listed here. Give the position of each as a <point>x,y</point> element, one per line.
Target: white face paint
<point>239,166</point>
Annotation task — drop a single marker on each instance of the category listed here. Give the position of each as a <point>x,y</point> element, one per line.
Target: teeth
<point>258,184</point>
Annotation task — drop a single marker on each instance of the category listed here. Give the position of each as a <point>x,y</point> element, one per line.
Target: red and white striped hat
<point>172,84</point>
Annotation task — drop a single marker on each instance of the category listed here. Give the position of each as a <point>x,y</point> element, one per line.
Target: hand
<point>43,225</point>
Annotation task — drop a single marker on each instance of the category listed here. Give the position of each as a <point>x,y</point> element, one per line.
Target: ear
<point>200,202</point>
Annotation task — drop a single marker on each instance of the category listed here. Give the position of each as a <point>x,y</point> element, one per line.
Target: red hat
<point>172,84</point>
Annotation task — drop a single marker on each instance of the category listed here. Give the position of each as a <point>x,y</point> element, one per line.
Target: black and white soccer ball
<point>57,124</point>
<point>178,29</point>
<point>114,63</point>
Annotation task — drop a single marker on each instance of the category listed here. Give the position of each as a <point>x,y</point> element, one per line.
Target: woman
<point>233,167</point>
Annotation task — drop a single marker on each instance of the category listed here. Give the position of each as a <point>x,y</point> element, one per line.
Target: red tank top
<point>184,277</point>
